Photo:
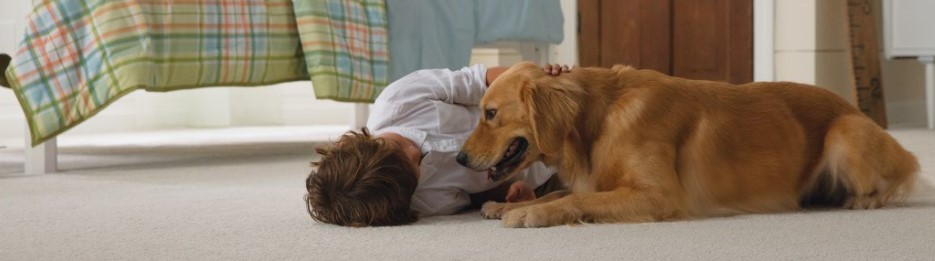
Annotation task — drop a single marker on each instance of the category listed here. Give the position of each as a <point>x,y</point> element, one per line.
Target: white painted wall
<point>811,47</point>
<point>11,24</point>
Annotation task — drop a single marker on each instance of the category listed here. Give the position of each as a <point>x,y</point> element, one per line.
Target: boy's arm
<point>465,86</point>
<point>494,72</point>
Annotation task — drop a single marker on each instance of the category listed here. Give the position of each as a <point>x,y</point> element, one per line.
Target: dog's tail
<point>863,167</point>
<point>826,191</point>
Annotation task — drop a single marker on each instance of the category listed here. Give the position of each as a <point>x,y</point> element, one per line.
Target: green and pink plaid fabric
<point>78,56</point>
<point>345,45</point>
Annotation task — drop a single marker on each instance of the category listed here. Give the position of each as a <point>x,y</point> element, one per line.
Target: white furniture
<point>929,62</point>
<point>908,32</point>
<point>40,159</point>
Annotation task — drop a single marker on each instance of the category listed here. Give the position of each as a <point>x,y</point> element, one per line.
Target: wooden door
<point>697,39</point>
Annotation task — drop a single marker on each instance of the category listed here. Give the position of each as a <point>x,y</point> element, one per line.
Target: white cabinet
<point>909,31</point>
<point>909,28</point>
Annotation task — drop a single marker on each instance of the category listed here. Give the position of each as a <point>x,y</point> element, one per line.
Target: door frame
<point>764,50</point>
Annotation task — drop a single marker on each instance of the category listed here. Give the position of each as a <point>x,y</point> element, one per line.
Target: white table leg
<point>929,62</point>
<point>41,159</point>
<point>360,114</point>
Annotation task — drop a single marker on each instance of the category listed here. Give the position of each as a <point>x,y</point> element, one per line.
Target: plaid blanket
<point>345,47</point>
<point>78,56</point>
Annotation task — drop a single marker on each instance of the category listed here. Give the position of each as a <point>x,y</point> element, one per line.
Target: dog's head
<point>526,114</point>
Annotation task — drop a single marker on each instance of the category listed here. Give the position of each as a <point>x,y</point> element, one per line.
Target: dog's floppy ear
<point>552,105</point>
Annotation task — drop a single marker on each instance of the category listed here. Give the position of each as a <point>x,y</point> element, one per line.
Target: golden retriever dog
<point>637,146</point>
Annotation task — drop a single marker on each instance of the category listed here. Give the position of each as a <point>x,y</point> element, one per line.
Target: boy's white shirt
<point>438,109</point>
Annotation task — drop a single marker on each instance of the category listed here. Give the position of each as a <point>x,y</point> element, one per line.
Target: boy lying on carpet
<point>409,168</point>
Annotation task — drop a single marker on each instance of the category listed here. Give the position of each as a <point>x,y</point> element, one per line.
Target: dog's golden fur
<point>637,145</point>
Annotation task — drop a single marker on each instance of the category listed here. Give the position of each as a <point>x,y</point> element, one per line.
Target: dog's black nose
<point>462,159</point>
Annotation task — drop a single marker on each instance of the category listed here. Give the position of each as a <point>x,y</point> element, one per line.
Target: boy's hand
<point>519,192</point>
<point>556,69</point>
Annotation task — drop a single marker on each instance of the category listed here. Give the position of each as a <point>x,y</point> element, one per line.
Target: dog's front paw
<point>539,216</point>
<point>493,210</point>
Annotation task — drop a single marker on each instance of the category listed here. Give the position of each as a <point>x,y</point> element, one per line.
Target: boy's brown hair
<point>362,181</point>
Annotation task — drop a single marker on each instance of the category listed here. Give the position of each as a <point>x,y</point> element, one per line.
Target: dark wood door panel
<point>620,32</point>
<point>696,36</point>
<point>589,35</point>
<point>698,39</point>
<point>635,32</point>
<point>656,34</point>
<point>740,41</point>
<point>713,40</point>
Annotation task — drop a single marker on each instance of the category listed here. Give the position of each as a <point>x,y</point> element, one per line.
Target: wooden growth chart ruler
<point>866,77</point>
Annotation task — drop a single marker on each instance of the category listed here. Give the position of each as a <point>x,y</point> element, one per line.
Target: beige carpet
<point>244,201</point>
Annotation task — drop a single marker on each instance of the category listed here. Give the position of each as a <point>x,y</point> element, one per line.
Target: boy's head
<point>362,181</point>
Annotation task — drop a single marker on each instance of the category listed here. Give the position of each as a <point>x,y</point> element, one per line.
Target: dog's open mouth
<point>512,157</point>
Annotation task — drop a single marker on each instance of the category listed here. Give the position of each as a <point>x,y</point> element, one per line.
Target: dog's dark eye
<point>490,113</point>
